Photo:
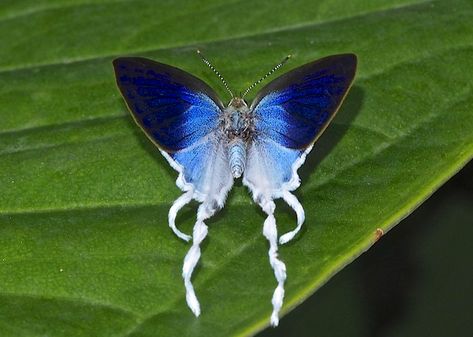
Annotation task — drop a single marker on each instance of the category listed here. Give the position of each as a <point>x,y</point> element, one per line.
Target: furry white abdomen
<point>237,157</point>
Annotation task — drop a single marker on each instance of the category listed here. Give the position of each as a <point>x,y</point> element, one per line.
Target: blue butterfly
<point>210,145</point>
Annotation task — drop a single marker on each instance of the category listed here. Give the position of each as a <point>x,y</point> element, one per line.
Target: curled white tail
<point>180,202</point>
<point>297,207</point>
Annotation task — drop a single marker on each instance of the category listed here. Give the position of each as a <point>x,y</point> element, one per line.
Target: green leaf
<point>413,284</point>
<point>84,244</point>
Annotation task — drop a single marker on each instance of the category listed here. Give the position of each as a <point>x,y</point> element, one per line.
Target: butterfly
<point>210,144</point>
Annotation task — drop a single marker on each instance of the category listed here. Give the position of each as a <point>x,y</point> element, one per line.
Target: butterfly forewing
<point>295,108</point>
<point>174,108</point>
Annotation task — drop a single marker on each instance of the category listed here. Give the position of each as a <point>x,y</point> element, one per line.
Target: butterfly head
<point>238,103</point>
<point>237,120</point>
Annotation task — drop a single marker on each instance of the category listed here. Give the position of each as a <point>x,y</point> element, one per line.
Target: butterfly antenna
<point>215,71</point>
<point>266,76</point>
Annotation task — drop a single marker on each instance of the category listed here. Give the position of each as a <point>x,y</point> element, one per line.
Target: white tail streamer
<point>180,202</point>
<point>297,207</point>
<point>271,234</point>
<point>193,255</point>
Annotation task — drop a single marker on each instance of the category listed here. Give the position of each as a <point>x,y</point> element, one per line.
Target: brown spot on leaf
<point>378,234</point>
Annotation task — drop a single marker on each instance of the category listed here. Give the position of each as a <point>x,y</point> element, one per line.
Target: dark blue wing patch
<point>174,108</point>
<point>295,108</point>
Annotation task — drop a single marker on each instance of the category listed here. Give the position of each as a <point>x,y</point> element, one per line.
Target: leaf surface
<point>84,245</point>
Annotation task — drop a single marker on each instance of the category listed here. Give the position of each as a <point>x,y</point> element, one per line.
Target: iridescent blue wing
<point>290,113</point>
<point>295,108</point>
<point>180,114</point>
<point>174,108</point>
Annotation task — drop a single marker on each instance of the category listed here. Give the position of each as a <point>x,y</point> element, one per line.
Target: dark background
<point>417,280</point>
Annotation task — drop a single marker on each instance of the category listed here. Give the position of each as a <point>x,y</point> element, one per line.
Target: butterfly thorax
<point>237,120</point>
<point>238,127</point>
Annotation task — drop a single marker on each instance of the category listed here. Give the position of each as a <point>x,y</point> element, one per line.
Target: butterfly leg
<point>271,234</point>
<point>292,201</point>
<point>193,255</point>
<point>180,202</point>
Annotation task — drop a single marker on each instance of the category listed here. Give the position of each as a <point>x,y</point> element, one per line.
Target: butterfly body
<point>210,145</point>
<point>238,128</point>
